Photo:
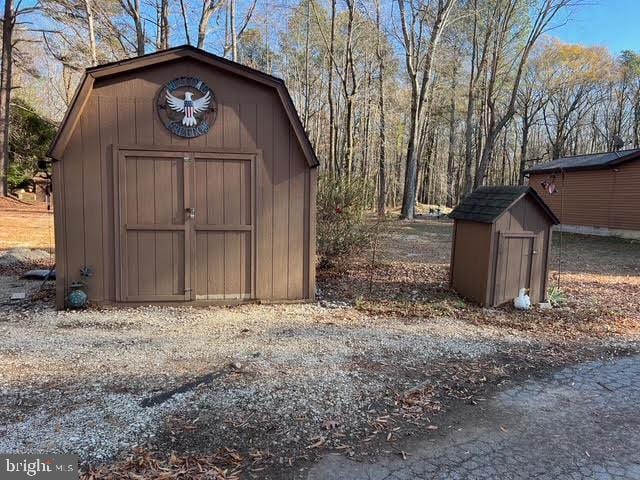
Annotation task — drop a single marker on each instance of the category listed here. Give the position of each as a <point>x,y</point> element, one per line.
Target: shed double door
<point>514,265</point>
<point>185,222</point>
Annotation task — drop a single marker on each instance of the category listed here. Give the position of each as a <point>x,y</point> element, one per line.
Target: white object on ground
<point>18,296</point>
<point>522,301</point>
<point>545,306</point>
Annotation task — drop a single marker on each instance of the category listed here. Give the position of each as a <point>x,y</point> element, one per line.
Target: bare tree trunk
<point>209,7</point>
<point>548,9</point>
<point>232,24</point>
<point>8,25</point>
<point>478,65</point>
<point>420,108</point>
<point>305,112</point>
<point>133,9</point>
<point>503,177</point>
<point>234,34</point>
<point>164,25</point>
<point>524,147</point>
<point>452,134</point>
<point>137,17</point>
<point>92,33</point>
<point>468,130</point>
<point>332,127</point>
<point>349,87</point>
<point>382,174</point>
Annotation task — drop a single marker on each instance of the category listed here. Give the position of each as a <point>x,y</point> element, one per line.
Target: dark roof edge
<point>603,166</point>
<point>178,48</point>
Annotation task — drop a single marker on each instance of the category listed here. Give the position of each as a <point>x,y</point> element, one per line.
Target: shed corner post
<point>59,233</point>
<point>494,245</point>
<point>545,278</point>
<point>453,251</point>
<point>313,191</point>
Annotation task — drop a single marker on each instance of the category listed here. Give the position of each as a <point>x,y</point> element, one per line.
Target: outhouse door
<point>185,223</point>
<point>513,265</point>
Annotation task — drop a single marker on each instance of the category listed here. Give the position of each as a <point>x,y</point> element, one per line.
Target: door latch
<point>191,212</point>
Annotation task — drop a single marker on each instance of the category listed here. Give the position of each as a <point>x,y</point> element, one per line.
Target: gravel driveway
<point>100,382</point>
<point>267,389</point>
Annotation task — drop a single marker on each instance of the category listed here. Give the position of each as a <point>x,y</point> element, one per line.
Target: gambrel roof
<point>92,74</point>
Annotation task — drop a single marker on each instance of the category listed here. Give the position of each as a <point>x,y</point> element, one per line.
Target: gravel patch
<point>75,381</point>
<point>17,256</point>
<point>96,428</point>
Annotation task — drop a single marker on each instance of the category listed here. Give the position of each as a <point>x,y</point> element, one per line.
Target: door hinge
<point>186,159</point>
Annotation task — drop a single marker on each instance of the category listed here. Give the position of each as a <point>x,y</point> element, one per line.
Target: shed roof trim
<point>487,204</point>
<point>91,74</point>
<point>593,161</point>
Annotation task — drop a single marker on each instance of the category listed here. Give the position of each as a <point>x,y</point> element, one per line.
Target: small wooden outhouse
<point>181,176</point>
<point>501,243</point>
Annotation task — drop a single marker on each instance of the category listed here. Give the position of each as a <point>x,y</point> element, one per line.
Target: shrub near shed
<point>341,226</point>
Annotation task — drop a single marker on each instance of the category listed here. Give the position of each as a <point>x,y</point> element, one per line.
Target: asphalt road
<point>582,422</point>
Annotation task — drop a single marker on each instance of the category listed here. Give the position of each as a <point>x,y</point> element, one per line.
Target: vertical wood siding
<point>471,260</point>
<point>608,198</point>
<point>121,111</point>
<point>526,216</point>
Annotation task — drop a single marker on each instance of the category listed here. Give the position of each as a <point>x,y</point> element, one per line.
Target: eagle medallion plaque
<point>187,107</point>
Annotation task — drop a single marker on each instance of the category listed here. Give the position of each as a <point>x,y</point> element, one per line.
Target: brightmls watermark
<point>36,467</point>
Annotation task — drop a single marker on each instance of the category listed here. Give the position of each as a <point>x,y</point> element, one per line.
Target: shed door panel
<point>513,265</point>
<point>224,227</point>
<point>152,226</point>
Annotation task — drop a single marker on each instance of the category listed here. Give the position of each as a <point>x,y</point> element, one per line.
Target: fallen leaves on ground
<point>598,305</point>
<point>142,464</point>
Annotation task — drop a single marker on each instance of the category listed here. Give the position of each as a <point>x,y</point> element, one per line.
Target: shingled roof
<point>486,204</point>
<point>593,161</point>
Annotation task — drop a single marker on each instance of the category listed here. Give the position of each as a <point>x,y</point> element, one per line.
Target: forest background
<point>403,100</point>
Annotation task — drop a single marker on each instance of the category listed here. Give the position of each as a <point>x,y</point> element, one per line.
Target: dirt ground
<point>261,391</point>
<point>25,225</point>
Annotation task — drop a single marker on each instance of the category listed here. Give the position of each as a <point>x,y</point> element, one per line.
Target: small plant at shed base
<point>77,298</point>
<point>557,297</point>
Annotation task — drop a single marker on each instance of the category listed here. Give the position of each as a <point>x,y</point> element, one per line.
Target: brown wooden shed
<point>181,176</point>
<point>501,243</point>
<point>594,194</point>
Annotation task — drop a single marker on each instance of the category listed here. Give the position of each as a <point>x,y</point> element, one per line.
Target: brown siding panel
<point>59,232</point>
<point>121,112</point>
<point>625,207</point>
<point>297,246</point>
<point>92,195</point>
<point>264,204</point>
<point>74,209</point>
<point>108,136</point>
<point>607,198</point>
<point>470,270</point>
<point>280,205</point>
<point>527,216</point>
